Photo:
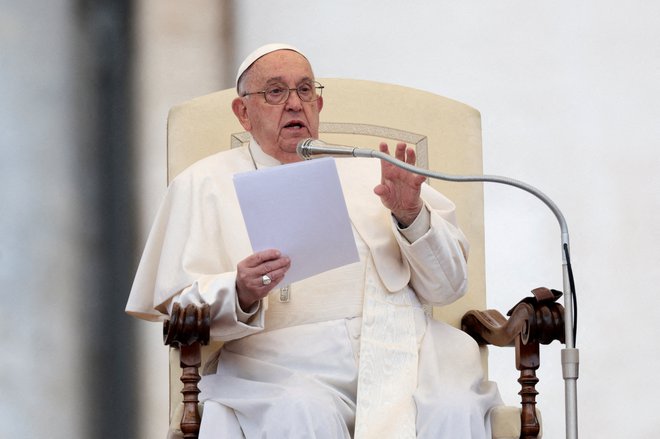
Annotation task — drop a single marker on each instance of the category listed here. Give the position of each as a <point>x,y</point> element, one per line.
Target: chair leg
<point>533,321</point>
<point>191,360</point>
<point>527,361</point>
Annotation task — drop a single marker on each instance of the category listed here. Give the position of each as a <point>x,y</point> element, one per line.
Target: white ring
<point>265,279</point>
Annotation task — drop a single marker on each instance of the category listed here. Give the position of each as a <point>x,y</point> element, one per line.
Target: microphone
<point>308,149</point>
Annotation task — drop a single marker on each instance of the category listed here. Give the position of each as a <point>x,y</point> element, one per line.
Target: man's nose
<point>293,101</point>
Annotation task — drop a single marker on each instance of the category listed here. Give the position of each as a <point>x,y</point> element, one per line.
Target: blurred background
<point>570,103</point>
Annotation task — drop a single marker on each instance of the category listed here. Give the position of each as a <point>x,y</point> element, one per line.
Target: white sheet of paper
<point>299,209</point>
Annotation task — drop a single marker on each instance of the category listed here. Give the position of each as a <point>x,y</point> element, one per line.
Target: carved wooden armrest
<point>188,329</point>
<point>534,320</point>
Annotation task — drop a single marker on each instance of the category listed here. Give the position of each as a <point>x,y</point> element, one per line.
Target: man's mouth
<point>295,124</point>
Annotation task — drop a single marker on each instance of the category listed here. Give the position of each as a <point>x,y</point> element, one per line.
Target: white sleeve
<point>437,258</point>
<point>185,261</point>
<point>229,321</point>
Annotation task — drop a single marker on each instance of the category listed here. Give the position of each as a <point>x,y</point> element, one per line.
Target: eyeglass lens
<point>278,93</point>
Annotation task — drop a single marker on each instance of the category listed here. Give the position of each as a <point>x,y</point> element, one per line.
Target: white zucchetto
<point>258,53</point>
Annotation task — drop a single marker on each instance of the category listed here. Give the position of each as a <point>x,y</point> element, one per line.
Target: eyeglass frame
<point>318,87</point>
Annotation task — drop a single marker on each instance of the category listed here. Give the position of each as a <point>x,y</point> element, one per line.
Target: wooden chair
<point>447,137</point>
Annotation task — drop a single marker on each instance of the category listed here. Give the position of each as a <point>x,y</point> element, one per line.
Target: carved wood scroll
<point>534,320</point>
<point>188,329</point>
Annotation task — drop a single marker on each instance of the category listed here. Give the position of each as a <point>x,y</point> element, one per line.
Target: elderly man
<point>346,353</point>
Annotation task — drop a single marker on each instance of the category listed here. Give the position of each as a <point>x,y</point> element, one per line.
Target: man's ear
<point>319,102</point>
<point>240,110</point>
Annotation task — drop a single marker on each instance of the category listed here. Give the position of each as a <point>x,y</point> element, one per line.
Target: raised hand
<point>399,190</point>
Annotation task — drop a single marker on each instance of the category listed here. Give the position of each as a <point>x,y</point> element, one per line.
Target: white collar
<point>261,159</point>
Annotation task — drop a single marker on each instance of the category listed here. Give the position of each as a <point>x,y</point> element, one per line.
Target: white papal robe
<point>351,352</point>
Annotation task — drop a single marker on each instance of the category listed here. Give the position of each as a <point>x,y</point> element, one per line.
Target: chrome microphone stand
<point>569,355</point>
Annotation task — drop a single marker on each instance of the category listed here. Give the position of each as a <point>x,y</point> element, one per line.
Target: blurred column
<point>104,110</point>
<point>182,50</point>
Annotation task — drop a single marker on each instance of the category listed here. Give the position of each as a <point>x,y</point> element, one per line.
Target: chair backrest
<point>445,133</point>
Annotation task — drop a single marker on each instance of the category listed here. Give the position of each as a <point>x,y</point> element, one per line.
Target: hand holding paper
<point>298,209</point>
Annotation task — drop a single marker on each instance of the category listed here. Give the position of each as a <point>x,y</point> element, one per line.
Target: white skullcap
<point>258,53</point>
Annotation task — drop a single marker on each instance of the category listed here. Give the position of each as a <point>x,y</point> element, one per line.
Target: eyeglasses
<point>277,94</point>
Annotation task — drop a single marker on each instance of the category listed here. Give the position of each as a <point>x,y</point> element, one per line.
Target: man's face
<point>279,128</point>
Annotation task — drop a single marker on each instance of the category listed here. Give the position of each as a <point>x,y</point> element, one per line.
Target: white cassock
<point>347,353</point>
